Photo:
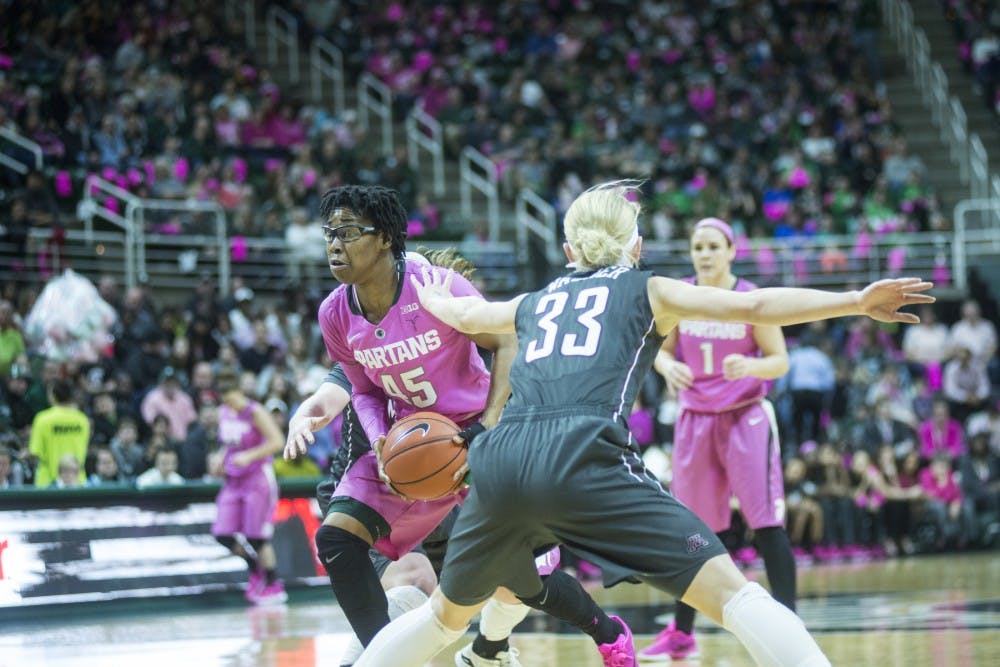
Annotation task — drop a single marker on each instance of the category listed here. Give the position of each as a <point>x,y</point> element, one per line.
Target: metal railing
<point>105,200</point>
<point>979,168</point>
<point>131,214</point>
<point>103,254</point>
<point>24,144</point>
<point>954,137</point>
<point>326,63</point>
<point>423,131</point>
<point>829,261</point>
<point>536,216</point>
<point>283,28</point>
<point>977,231</point>
<point>374,97</point>
<point>197,247</point>
<point>477,172</point>
<point>947,113</point>
<point>236,9</point>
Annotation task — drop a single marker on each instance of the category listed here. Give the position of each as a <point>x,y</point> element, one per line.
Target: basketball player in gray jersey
<point>561,466</point>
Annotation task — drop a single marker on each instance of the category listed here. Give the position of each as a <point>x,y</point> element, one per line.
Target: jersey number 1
<point>707,357</point>
<point>592,301</point>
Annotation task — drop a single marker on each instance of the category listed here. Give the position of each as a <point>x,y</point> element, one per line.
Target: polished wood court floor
<point>915,612</point>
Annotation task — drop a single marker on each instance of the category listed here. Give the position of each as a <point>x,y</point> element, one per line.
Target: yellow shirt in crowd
<point>54,433</point>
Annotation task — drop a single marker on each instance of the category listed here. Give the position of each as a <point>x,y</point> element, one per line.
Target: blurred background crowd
<point>771,115</point>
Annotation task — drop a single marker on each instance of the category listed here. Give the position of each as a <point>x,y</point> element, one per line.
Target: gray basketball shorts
<point>549,476</point>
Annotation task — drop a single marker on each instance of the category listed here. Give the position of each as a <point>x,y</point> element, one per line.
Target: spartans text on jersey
<point>399,352</point>
<point>721,330</point>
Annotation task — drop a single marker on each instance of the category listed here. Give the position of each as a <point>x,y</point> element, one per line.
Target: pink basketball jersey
<point>703,346</point>
<point>408,362</point>
<point>238,433</point>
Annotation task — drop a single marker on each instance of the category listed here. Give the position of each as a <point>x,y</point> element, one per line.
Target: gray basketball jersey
<point>585,339</point>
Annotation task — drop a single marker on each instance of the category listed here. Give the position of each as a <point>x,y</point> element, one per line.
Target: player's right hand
<point>300,435</point>
<point>679,375</point>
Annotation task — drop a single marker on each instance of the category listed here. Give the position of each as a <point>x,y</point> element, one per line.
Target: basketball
<point>420,458</point>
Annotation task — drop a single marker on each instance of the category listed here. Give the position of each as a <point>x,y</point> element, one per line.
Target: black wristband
<point>469,433</point>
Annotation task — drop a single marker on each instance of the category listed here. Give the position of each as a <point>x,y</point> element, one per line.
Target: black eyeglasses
<point>346,233</point>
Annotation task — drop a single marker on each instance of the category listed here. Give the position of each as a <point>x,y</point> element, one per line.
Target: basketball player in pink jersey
<point>726,437</point>
<point>399,359</point>
<point>245,505</point>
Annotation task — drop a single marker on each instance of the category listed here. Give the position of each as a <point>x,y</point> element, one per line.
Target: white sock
<point>499,619</point>
<point>772,633</point>
<point>410,640</point>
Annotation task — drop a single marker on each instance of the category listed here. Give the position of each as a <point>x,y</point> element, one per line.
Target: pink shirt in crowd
<point>948,493</point>
<point>179,411</point>
<point>934,440</point>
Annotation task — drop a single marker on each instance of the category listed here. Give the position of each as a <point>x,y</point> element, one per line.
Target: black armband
<point>469,433</point>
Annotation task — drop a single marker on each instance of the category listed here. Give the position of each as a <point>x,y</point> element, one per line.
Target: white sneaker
<point>401,600</point>
<point>466,658</point>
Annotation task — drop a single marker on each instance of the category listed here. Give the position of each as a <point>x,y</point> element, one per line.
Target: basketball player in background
<point>561,467</point>
<point>395,355</point>
<point>726,437</point>
<point>249,439</point>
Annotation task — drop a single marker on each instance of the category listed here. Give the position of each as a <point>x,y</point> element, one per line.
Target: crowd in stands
<point>166,100</point>
<point>890,437</point>
<point>766,113</point>
<point>977,30</point>
<point>146,412</point>
<point>770,115</point>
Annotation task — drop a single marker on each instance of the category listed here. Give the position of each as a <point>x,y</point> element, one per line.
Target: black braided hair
<point>378,205</point>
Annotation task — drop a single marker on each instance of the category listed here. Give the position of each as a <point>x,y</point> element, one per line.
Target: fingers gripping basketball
<point>419,457</point>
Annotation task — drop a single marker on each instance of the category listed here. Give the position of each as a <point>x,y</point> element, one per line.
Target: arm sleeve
<point>368,399</point>
<point>370,403</point>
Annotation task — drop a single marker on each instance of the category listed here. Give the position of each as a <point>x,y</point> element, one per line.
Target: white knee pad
<point>772,633</point>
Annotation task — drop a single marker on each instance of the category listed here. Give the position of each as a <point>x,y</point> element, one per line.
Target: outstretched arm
<point>321,408</point>
<point>673,301</point>
<point>468,314</point>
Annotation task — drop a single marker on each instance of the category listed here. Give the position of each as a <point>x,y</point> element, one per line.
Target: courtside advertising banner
<point>144,547</point>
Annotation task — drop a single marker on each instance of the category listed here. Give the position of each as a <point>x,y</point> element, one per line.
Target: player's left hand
<point>882,299</point>
<point>432,285</point>
<point>735,366</point>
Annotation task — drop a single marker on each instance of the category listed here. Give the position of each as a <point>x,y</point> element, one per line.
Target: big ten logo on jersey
<point>231,431</point>
<point>398,352</point>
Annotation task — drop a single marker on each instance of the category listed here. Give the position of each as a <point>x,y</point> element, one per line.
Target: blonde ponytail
<point>601,225</point>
